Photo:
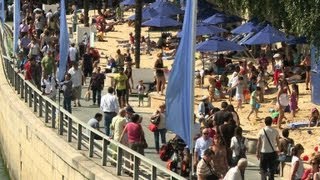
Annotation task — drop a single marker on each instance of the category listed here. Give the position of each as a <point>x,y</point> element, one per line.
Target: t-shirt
<point>48,64</point>
<point>73,53</point>
<point>203,168</point>
<point>76,77</point>
<point>134,132</point>
<point>121,81</point>
<point>117,126</point>
<point>202,145</point>
<point>237,146</point>
<point>299,172</point>
<point>253,100</point>
<point>158,64</point>
<point>273,134</point>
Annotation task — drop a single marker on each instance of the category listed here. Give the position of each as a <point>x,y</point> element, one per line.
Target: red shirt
<point>28,71</point>
<point>134,131</point>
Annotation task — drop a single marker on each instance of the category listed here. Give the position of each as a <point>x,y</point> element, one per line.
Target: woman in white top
<point>296,162</point>
<point>238,146</point>
<point>160,120</point>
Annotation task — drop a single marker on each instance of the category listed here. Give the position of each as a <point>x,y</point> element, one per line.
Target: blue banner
<point>16,25</point>
<point>3,16</point>
<point>63,41</point>
<point>315,75</point>
<point>180,90</point>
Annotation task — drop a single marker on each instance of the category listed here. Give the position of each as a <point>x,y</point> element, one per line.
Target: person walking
<point>268,141</point>
<point>121,86</point>
<point>160,78</point>
<point>67,92</point>
<point>96,85</point>
<point>110,106</point>
<point>77,79</point>
<point>202,143</point>
<point>297,163</point>
<point>161,126</point>
<point>238,146</point>
<point>205,167</point>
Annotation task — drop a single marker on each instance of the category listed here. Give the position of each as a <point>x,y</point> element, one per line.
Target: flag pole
<point>194,5</point>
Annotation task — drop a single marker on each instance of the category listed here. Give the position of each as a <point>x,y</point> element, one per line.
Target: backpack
<point>166,151</point>
<point>289,149</point>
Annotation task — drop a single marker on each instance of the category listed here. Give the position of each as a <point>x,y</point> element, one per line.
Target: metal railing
<point>56,117</point>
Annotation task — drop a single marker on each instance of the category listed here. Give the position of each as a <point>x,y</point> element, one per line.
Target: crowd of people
<point>220,147</point>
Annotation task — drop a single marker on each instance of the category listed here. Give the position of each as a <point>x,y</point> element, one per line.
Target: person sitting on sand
<point>314,118</point>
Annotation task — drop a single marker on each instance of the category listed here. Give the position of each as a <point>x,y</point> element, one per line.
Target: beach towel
<point>300,124</point>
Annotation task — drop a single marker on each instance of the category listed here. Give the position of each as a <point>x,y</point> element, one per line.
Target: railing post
<point>104,152</point>
<point>61,123</point>
<point>25,92</point>
<point>69,135</point>
<point>15,81</point>
<point>53,116</point>
<point>21,88</point>
<point>119,161</point>
<point>35,101</point>
<point>18,83</point>
<point>30,97</point>
<point>46,111</point>
<point>79,136</point>
<point>91,139</point>
<point>153,173</point>
<point>136,163</point>
<point>40,106</point>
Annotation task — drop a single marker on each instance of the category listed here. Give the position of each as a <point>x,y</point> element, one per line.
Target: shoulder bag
<point>213,175</point>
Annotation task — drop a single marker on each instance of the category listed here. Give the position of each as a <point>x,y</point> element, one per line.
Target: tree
<point>137,28</point>
<point>86,12</point>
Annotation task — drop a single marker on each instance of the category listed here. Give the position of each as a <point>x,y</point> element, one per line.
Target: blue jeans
<point>67,104</point>
<point>162,133</point>
<point>107,121</point>
<point>96,96</point>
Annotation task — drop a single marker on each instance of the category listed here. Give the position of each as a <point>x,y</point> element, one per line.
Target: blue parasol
<point>217,44</point>
<point>206,29</point>
<point>267,35</point>
<point>161,21</point>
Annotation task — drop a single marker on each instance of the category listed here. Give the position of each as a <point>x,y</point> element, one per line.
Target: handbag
<point>152,127</point>
<point>155,119</point>
<point>143,143</point>
<point>213,175</point>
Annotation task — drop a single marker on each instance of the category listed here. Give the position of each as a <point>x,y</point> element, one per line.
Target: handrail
<point>143,168</point>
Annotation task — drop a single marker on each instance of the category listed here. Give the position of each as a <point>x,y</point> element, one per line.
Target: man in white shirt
<point>94,123</point>
<point>77,79</point>
<point>237,172</point>
<point>73,53</point>
<point>110,106</point>
<point>202,143</point>
<point>267,147</point>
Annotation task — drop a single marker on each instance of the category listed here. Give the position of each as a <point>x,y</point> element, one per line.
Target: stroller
<point>177,156</point>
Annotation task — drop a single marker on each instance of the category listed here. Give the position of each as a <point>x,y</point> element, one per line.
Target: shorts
<point>240,97</point>
<point>121,92</point>
<point>140,96</point>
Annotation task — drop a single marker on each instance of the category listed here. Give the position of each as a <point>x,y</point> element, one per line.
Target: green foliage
<point>298,17</point>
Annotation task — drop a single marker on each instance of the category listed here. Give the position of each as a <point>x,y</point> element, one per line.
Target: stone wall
<point>36,152</point>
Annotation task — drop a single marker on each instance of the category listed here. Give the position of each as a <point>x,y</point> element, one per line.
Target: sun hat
<point>204,98</point>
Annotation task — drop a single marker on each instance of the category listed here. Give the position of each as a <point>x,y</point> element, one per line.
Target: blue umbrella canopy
<point>206,29</point>
<point>217,44</point>
<point>128,3</point>
<point>267,35</point>
<point>296,40</point>
<point>161,21</point>
<point>245,28</point>
<point>165,8</point>
<point>217,18</point>
<point>147,13</point>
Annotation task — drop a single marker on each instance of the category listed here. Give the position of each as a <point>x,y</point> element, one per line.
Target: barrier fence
<point>57,118</point>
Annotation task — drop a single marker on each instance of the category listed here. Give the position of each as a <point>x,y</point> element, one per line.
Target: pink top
<point>134,132</point>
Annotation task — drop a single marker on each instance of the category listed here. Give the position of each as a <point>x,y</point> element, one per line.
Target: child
<point>141,88</point>
<point>254,102</point>
<point>294,99</point>
<point>211,88</point>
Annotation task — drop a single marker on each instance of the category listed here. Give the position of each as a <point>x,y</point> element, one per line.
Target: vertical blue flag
<point>180,90</point>
<point>2,11</point>
<point>16,25</point>
<point>63,41</point>
<point>315,75</point>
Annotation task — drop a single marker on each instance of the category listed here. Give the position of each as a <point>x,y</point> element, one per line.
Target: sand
<point>251,127</point>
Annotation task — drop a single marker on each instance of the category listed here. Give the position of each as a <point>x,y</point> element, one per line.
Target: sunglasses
<point>205,133</point>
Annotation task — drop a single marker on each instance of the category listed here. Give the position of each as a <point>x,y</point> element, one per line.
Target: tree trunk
<point>86,12</point>
<point>137,27</point>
